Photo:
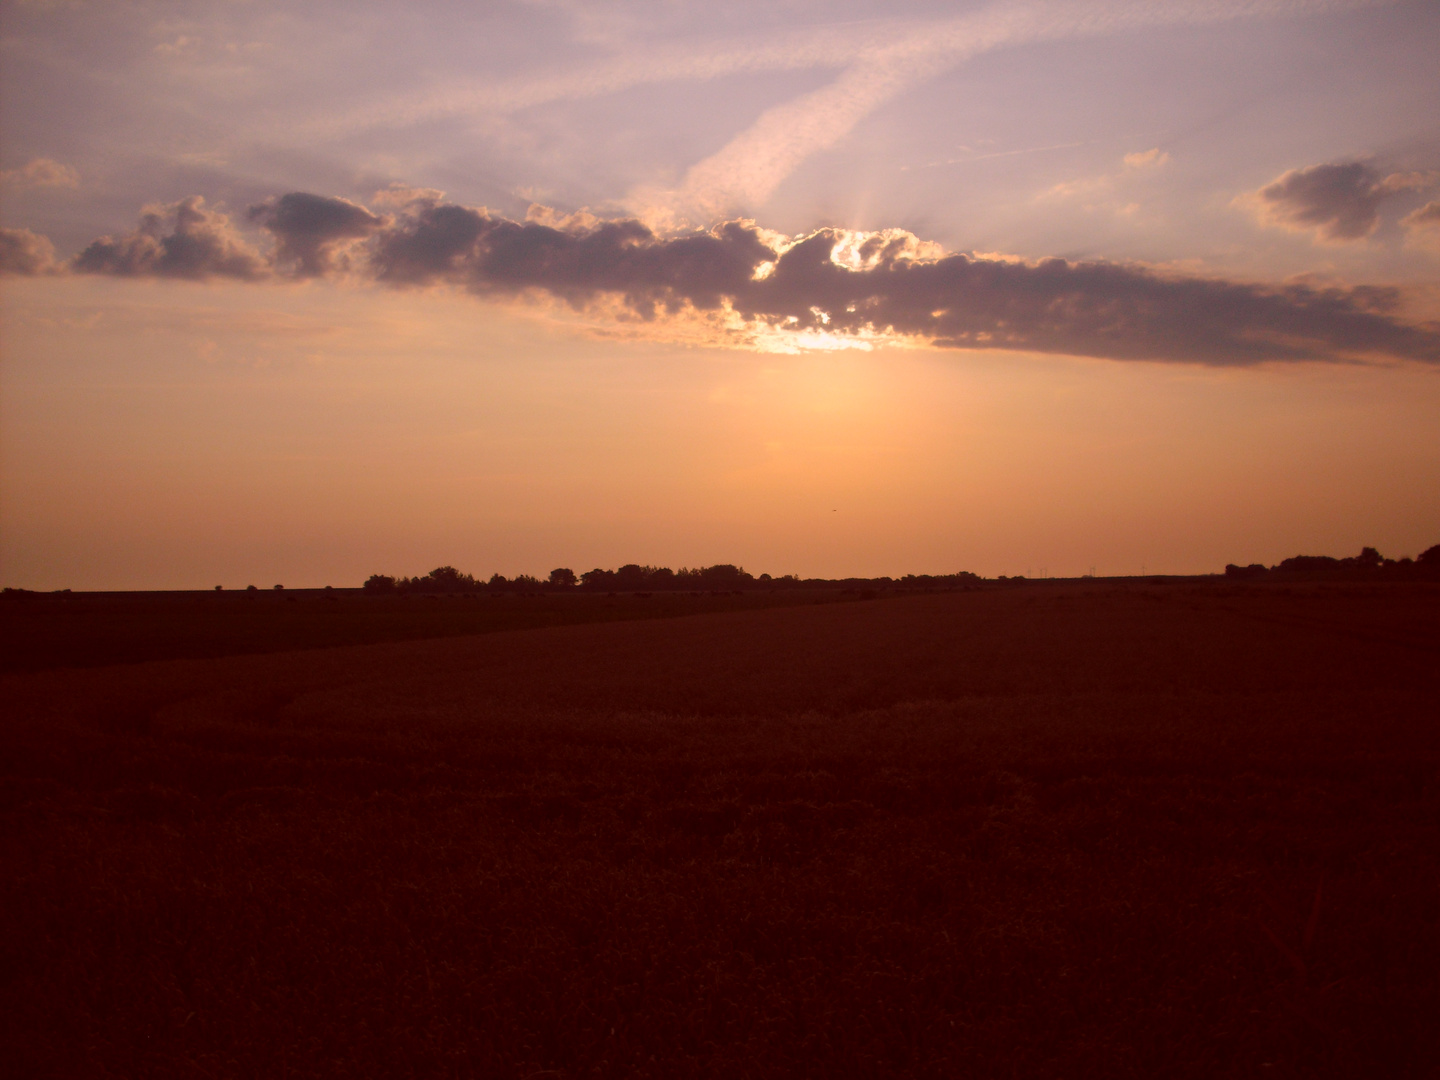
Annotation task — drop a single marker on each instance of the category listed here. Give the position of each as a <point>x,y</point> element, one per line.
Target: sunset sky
<point>301,293</point>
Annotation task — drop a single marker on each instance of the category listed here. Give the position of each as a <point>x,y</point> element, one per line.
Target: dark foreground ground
<point>1051,831</point>
<point>50,630</point>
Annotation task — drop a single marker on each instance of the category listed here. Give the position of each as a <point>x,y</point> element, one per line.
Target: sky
<point>297,294</point>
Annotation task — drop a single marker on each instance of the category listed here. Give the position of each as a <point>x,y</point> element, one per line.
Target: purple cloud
<point>25,254</point>
<point>1339,202</point>
<point>1085,308</point>
<point>311,230</point>
<point>182,240</point>
<point>832,281</point>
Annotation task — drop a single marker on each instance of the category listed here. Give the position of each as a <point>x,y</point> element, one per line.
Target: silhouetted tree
<point>379,583</point>
<point>1251,571</point>
<point>446,579</point>
<point>443,579</point>
<point>630,577</point>
<point>1368,564</point>
<point>724,576</point>
<point>1309,564</point>
<point>562,578</point>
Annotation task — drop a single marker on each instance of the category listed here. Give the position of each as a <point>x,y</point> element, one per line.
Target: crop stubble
<point>1050,830</point>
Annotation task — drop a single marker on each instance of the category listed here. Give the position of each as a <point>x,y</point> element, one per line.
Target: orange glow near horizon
<point>309,435</point>
<point>1003,286</point>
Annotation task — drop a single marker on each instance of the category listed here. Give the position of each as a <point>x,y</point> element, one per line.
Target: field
<point>46,630</point>
<point>1084,829</point>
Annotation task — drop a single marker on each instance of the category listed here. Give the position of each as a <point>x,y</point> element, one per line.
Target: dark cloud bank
<point>1080,308</point>
<point>1340,201</point>
<point>181,241</point>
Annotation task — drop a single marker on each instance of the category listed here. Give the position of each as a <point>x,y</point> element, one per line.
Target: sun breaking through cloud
<point>754,286</point>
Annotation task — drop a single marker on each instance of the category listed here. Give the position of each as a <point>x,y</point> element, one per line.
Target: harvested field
<point>1052,830</point>
<point>39,630</point>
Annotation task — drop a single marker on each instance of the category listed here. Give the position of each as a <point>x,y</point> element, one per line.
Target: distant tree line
<point>722,577</point>
<point>1369,564</point>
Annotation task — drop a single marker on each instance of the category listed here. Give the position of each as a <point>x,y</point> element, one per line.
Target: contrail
<point>744,173</point>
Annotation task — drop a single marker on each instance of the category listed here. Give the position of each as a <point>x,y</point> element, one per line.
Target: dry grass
<point>1048,831</point>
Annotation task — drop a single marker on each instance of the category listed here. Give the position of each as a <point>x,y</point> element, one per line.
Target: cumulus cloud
<point>831,285</point>
<point>1146,159</point>
<point>437,242</point>
<point>179,240</point>
<point>1338,202</point>
<point>312,232</point>
<point>41,173</point>
<point>1139,164</point>
<point>25,254</point>
<point>890,283</point>
<point>1423,226</point>
<point>1085,308</point>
